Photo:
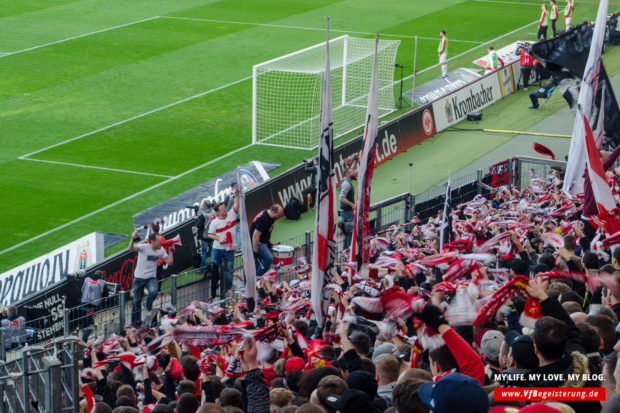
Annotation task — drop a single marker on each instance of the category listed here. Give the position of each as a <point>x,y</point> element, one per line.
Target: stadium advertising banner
<point>438,88</point>
<point>453,108</point>
<point>394,137</point>
<point>49,269</point>
<point>119,268</point>
<point>506,79</point>
<point>177,209</point>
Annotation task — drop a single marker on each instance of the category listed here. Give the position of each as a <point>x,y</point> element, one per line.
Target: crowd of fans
<point>525,286</point>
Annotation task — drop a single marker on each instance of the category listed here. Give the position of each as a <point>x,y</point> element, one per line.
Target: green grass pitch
<point>152,97</point>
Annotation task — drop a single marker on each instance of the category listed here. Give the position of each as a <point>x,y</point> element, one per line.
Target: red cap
<point>294,363</point>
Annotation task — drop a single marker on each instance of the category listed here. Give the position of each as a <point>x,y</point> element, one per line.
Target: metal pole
<point>173,289</point>
<point>25,387</point>
<point>308,233</point>
<point>122,303</point>
<point>53,397</point>
<point>66,314</point>
<point>222,280</point>
<point>410,181</point>
<point>479,179</point>
<point>415,61</point>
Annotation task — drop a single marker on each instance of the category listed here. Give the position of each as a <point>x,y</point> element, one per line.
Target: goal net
<point>286,99</point>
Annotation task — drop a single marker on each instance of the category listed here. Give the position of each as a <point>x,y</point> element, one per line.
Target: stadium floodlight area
<point>286,97</point>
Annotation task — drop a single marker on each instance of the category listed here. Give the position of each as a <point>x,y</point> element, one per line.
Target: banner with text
<point>394,137</point>
<point>179,208</point>
<point>453,108</point>
<point>38,274</point>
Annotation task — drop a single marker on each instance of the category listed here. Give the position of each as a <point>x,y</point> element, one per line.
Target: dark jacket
<point>255,392</point>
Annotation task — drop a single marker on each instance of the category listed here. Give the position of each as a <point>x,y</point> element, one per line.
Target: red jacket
<point>469,362</point>
<point>526,58</point>
<point>269,375</point>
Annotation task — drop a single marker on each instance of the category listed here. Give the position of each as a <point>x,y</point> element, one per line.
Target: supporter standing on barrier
<point>203,220</point>
<point>145,274</point>
<point>543,24</point>
<point>260,233</point>
<point>442,51</point>
<point>527,61</point>
<point>347,206</point>
<point>230,201</point>
<point>223,231</point>
<point>568,13</point>
<point>554,17</point>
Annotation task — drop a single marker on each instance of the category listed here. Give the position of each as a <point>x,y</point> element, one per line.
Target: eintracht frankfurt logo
<point>427,122</point>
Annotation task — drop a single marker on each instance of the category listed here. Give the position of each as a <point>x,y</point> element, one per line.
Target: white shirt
<point>147,261</point>
<point>221,226</point>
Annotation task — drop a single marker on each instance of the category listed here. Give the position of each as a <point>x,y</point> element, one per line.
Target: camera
<point>194,207</point>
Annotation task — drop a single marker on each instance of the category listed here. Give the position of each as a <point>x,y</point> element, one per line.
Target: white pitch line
<point>141,115</point>
<point>283,26</point>
<point>467,51</point>
<point>95,167</point>
<point>120,201</point>
<point>508,2</point>
<point>76,37</point>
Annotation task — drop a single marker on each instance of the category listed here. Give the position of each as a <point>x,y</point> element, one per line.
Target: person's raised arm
<point>468,361</point>
<point>132,245</point>
<point>169,258</point>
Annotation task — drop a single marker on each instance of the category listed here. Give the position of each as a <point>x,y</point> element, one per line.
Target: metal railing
<point>42,379</point>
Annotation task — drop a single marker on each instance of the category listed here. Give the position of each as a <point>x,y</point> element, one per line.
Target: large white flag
<point>324,250</point>
<point>360,246</point>
<point>573,179</point>
<point>249,268</point>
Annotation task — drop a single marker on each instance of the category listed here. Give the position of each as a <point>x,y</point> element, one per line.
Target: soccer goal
<point>286,96</point>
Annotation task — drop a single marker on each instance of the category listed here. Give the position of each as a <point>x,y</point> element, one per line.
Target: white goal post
<point>286,91</point>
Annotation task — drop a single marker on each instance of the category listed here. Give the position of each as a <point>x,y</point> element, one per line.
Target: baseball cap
<point>385,348</point>
<point>454,392</point>
<point>351,401</point>
<point>491,344</point>
<point>522,347</point>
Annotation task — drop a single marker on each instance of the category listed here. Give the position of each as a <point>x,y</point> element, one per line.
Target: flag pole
<point>415,62</point>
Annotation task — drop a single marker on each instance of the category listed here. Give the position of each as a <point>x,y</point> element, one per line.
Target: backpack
<point>294,209</point>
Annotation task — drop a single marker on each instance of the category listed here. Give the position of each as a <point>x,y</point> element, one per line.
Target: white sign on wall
<point>50,268</point>
<point>454,108</point>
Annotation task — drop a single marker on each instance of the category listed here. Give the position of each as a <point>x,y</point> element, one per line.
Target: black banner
<point>119,267</point>
<point>175,210</point>
<point>566,57</point>
<point>394,137</point>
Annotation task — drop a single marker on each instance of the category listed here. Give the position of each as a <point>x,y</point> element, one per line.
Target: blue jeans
<point>229,262</point>
<point>264,260</point>
<point>205,251</point>
<point>138,292</point>
<point>347,218</point>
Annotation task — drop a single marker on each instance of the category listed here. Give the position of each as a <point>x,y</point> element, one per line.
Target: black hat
<point>522,350</point>
<point>351,401</point>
